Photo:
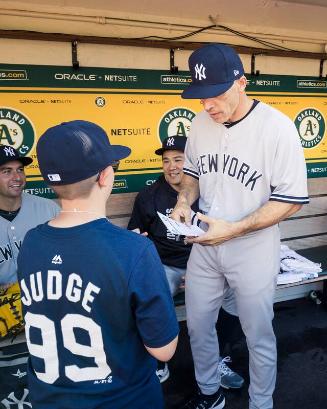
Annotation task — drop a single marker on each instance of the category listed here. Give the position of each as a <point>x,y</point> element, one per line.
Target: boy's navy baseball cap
<point>9,154</point>
<point>172,143</point>
<point>74,151</point>
<point>214,68</point>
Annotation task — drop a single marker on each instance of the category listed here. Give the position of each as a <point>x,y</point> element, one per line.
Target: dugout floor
<point>301,331</point>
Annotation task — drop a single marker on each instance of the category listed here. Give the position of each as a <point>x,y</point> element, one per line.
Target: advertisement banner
<point>139,108</point>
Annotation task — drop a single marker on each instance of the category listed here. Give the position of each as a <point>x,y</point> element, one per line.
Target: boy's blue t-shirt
<point>92,296</point>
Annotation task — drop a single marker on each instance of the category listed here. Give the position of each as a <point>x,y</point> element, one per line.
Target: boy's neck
<point>76,212</point>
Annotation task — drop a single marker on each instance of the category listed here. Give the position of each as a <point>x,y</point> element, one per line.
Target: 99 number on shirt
<point>48,350</point>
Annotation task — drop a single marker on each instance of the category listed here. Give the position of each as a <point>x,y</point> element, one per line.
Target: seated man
<point>93,324</point>
<point>19,212</point>
<point>173,252</point>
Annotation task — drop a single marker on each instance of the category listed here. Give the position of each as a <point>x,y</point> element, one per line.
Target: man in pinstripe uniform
<point>244,161</point>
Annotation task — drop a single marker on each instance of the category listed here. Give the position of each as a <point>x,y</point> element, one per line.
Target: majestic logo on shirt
<point>175,122</point>
<point>200,72</point>
<point>310,124</point>
<point>56,259</point>
<point>19,374</point>
<point>16,130</point>
<point>11,402</point>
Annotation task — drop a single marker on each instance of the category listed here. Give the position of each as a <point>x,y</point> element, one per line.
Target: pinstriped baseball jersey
<point>243,165</point>
<point>34,210</point>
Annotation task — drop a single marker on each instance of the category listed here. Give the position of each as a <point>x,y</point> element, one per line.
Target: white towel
<point>295,268</point>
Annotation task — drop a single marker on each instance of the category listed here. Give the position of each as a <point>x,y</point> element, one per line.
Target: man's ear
<point>243,83</point>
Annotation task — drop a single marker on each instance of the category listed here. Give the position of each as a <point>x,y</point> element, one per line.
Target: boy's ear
<point>106,176</point>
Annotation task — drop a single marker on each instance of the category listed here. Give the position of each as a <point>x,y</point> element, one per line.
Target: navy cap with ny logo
<point>214,68</point>
<point>172,143</point>
<point>10,154</point>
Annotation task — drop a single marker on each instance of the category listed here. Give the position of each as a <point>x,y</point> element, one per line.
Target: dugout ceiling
<point>295,15</point>
<point>299,23</point>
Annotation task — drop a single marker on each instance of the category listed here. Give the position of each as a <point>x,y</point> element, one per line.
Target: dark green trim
<point>120,78</point>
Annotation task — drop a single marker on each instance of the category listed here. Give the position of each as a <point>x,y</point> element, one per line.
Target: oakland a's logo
<point>175,122</point>
<point>310,124</point>
<point>16,130</point>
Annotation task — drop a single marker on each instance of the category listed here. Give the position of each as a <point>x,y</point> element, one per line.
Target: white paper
<point>180,228</point>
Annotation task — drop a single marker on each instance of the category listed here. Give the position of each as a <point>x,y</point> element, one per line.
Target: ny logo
<point>9,151</point>
<point>236,72</point>
<point>14,401</point>
<point>200,72</point>
<point>170,142</point>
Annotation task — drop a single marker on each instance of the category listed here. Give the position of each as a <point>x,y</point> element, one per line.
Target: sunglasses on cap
<point>114,165</point>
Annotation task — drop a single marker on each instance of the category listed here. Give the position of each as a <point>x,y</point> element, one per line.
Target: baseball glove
<point>11,318</point>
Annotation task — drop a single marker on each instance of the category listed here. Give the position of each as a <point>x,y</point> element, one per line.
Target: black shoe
<point>201,401</point>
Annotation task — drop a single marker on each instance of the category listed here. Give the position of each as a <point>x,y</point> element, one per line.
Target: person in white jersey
<point>245,163</point>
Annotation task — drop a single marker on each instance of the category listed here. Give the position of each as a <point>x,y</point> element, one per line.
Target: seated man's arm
<point>139,218</point>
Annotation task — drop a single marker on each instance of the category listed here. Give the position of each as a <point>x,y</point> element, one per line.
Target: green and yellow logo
<point>16,130</point>
<point>310,124</point>
<point>177,121</point>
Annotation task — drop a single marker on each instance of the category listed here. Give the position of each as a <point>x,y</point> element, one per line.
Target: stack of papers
<point>180,228</point>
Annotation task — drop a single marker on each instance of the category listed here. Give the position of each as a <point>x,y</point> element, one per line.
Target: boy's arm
<point>164,353</point>
<point>153,305</point>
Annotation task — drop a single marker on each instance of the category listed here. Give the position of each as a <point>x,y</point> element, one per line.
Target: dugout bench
<point>285,291</point>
